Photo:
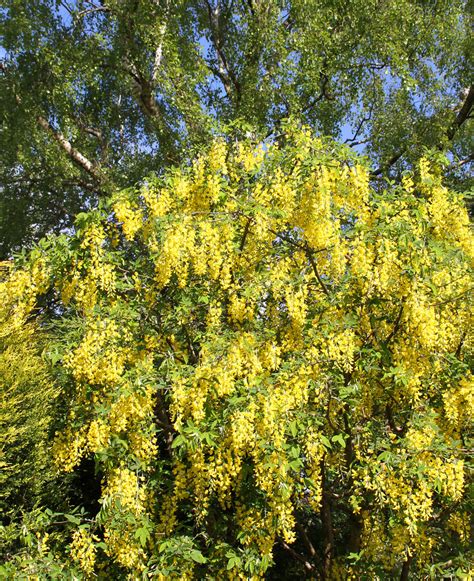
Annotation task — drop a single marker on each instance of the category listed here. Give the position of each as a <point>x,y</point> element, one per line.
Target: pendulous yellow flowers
<point>260,339</point>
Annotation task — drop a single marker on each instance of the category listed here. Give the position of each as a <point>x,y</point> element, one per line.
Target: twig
<point>315,270</point>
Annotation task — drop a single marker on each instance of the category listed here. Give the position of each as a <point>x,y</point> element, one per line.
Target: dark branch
<point>226,74</point>
<point>308,566</point>
<point>463,114</point>
<point>316,272</point>
<point>461,117</point>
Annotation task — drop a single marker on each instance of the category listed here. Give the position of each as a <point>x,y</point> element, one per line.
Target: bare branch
<point>361,142</point>
<point>316,272</point>
<point>396,327</point>
<point>88,11</point>
<point>389,163</point>
<point>462,162</point>
<point>308,566</point>
<point>364,119</point>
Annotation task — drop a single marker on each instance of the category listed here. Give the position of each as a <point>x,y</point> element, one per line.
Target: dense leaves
<point>97,95</point>
<point>268,361</point>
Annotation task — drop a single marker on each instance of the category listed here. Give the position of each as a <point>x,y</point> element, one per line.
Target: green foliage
<point>137,86</point>
<point>27,405</point>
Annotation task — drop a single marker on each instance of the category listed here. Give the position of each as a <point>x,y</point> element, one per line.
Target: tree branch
<point>143,93</point>
<point>306,539</point>
<point>158,53</point>
<point>396,326</point>
<point>463,113</point>
<point>462,162</point>
<point>88,11</point>
<point>316,272</point>
<point>461,117</point>
<point>226,75</point>
<point>77,157</point>
<point>308,566</point>
<point>244,236</point>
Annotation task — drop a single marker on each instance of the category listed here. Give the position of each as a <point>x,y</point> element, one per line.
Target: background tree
<point>96,95</point>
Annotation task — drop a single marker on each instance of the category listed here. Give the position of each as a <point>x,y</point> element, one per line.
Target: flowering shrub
<point>268,359</point>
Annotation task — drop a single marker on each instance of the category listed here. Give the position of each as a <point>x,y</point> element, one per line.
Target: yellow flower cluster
<point>91,272</point>
<point>19,291</point>
<point>68,449</point>
<point>83,550</point>
<point>341,347</point>
<point>130,217</point>
<point>123,487</point>
<point>122,546</point>
<point>315,453</point>
<point>459,401</point>
<point>460,524</point>
<point>100,358</point>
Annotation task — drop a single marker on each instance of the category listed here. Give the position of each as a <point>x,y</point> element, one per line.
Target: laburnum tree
<point>262,369</point>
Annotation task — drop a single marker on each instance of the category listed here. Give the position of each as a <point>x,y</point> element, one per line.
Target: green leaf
<point>178,441</point>
<point>142,534</point>
<point>293,428</point>
<point>339,439</point>
<point>73,519</point>
<point>197,556</point>
<point>325,442</point>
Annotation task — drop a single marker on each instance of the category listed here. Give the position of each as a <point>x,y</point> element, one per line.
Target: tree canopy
<point>269,361</point>
<point>97,95</point>
<point>236,289</point>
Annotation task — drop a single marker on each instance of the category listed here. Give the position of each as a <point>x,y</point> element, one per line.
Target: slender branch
<point>316,272</point>
<point>245,234</point>
<point>308,566</point>
<point>88,11</point>
<point>389,163</point>
<point>461,117</point>
<point>461,343</point>
<point>364,119</point>
<point>226,74</point>
<point>361,142</point>
<point>306,539</point>
<point>395,327</point>
<point>462,162</point>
